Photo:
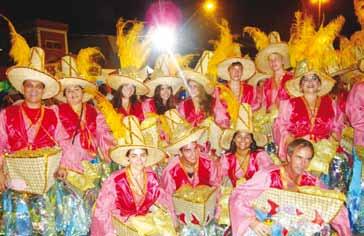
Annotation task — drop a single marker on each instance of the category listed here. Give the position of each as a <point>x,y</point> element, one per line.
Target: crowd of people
<point>130,150</point>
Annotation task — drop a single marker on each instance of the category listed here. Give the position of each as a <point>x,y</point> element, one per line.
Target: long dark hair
<point>116,100</point>
<point>205,99</point>
<point>161,108</point>
<point>233,148</point>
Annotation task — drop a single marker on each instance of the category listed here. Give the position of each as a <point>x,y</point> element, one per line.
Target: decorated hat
<point>303,68</point>
<point>133,54</point>
<point>248,67</point>
<point>135,139</point>
<point>71,77</point>
<point>165,73</point>
<point>199,73</point>
<point>244,123</point>
<point>257,78</point>
<point>267,45</point>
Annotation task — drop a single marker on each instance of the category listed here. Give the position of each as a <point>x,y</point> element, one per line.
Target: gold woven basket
<point>33,168</point>
<point>326,207</point>
<point>203,211</point>
<point>122,229</point>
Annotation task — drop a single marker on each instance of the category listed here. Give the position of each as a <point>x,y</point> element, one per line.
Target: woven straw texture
<point>307,204</point>
<point>203,212</point>
<point>36,172</point>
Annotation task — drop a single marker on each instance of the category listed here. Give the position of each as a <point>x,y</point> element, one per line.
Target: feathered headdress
<point>260,38</point>
<point>88,63</point>
<point>20,50</point>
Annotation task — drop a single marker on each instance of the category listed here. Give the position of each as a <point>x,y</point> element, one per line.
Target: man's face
<point>300,159</point>
<point>275,61</point>
<point>359,11</point>
<point>235,72</point>
<point>190,152</point>
<point>33,91</point>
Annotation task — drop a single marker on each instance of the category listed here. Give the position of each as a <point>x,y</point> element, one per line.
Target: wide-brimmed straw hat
<point>164,73</point>
<point>247,63</point>
<point>275,46</point>
<point>71,77</point>
<point>34,71</point>
<point>135,140</point>
<point>293,86</point>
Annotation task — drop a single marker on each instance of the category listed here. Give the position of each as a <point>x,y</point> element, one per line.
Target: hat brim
<point>257,78</point>
<point>174,82</point>
<point>248,68</point>
<point>18,74</point>
<point>192,136</point>
<point>200,79</point>
<point>261,59</point>
<point>70,81</point>
<point>115,81</point>
<point>118,154</point>
<point>294,90</point>
<point>228,134</point>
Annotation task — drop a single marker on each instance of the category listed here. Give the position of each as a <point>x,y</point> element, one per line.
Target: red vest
<point>282,93</point>
<point>17,134</point>
<point>305,180</point>
<point>300,124</point>
<point>192,116</point>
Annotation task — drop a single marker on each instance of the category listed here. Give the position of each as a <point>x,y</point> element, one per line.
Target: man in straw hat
<point>189,166</point>
<point>287,177</point>
<point>272,59</point>
<point>128,196</point>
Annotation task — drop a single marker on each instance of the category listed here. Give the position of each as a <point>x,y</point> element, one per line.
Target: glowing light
<point>164,38</point>
<point>319,1</point>
<point>209,6</point>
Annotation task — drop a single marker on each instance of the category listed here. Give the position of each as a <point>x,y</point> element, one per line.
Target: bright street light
<point>164,38</point>
<point>319,4</point>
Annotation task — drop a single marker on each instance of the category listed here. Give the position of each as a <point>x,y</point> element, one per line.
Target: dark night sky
<point>100,16</point>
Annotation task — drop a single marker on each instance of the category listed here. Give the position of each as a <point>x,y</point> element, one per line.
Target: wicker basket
<point>33,168</point>
<point>202,211</point>
<point>326,207</point>
<point>122,229</point>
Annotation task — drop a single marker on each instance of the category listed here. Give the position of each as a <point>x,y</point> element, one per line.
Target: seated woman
<point>128,196</point>
<point>287,177</point>
<point>310,113</point>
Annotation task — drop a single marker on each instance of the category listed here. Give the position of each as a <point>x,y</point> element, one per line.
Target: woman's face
<point>74,94</point>
<point>194,88</point>
<point>128,90</point>
<point>165,92</point>
<point>243,140</point>
<point>190,152</point>
<point>137,158</point>
<point>275,62</point>
<point>310,84</point>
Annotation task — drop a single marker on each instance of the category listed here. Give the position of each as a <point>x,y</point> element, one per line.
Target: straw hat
<point>34,71</point>
<point>133,140</point>
<point>254,81</point>
<point>244,123</point>
<point>199,73</point>
<point>71,77</point>
<point>133,77</point>
<point>275,46</point>
<point>293,86</point>
<point>248,67</point>
<point>165,73</point>
<point>184,137</point>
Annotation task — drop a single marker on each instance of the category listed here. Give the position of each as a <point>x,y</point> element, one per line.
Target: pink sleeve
<point>264,160</point>
<point>338,123</point>
<point>256,100</point>
<point>240,202</point>
<point>341,222</point>
<point>3,135</point>
<point>181,109</point>
<point>103,135</point>
<point>224,166</point>
<point>148,106</point>
<point>354,111</point>
<point>215,173</point>
<point>221,117</point>
<point>280,127</point>
<point>101,223</point>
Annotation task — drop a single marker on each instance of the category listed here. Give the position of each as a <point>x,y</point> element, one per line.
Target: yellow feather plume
<point>260,38</point>
<point>346,53</point>
<point>231,101</point>
<point>87,64</point>
<point>223,48</point>
<point>113,118</point>
<point>20,51</point>
<point>133,52</point>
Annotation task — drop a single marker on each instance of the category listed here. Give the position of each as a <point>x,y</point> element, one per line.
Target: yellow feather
<point>228,97</point>
<point>87,66</point>
<point>223,48</point>
<point>132,51</point>
<point>113,118</point>
<point>260,38</point>
<point>20,51</point>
